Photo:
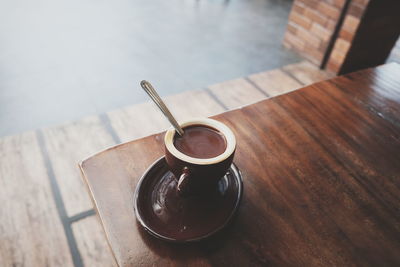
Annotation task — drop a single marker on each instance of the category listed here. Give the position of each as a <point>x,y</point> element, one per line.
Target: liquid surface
<point>200,142</point>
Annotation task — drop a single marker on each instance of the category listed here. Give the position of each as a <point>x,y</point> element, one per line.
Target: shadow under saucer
<point>166,215</point>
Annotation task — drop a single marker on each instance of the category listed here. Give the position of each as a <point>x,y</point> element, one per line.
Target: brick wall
<point>347,31</point>
<point>311,25</point>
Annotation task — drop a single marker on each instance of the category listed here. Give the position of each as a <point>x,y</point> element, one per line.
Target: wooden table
<point>321,170</point>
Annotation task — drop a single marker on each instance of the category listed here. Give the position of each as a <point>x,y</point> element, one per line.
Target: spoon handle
<point>149,89</point>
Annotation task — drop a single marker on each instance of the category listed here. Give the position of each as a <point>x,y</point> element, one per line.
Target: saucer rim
<point>139,218</point>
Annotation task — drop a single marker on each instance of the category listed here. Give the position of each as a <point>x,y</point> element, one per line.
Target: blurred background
<point>61,60</point>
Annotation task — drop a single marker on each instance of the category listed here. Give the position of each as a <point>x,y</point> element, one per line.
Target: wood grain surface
<point>68,144</point>
<point>274,82</point>
<point>196,103</point>
<point>137,121</point>
<point>52,222</point>
<point>92,243</point>
<point>140,120</point>
<point>236,93</point>
<point>306,73</point>
<point>321,175</point>
<point>31,233</point>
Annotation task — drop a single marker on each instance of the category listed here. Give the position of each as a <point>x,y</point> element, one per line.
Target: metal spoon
<point>149,89</point>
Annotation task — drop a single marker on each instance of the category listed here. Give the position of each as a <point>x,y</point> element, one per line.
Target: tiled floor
<point>61,60</point>
<point>47,217</point>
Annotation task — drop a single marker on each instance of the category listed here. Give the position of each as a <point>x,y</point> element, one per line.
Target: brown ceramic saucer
<point>168,216</point>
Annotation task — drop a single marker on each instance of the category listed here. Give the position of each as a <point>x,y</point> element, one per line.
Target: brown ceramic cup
<point>197,175</point>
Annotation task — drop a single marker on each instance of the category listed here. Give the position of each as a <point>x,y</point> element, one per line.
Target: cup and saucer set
<point>194,190</point>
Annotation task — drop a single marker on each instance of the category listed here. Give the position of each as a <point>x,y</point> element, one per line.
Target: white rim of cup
<point>219,126</point>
